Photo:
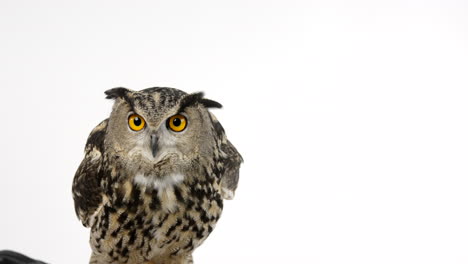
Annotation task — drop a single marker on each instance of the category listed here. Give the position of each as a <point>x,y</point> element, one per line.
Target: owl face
<point>159,126</point>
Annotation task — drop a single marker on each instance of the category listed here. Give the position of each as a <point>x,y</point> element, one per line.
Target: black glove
<point>11,257</point>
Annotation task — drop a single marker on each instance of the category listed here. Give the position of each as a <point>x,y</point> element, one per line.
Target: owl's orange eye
<point>177,123</point>
<point>136,122</point>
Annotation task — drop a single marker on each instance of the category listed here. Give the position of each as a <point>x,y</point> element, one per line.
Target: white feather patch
<point>159,183</point>
<point>227,194</point>
<point>94,154</point>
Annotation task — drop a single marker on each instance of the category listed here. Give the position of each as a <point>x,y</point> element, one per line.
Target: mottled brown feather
<point>87,190</point>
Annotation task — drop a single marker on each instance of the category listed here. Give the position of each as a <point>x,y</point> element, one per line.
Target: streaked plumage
<point>154,195</point>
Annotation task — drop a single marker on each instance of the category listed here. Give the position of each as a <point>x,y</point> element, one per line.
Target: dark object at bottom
<point>11,257</point>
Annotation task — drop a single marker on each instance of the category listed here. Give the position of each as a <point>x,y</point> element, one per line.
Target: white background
<point>351,117</point>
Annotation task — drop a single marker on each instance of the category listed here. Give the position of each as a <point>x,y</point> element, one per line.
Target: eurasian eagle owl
<point>154,176</point>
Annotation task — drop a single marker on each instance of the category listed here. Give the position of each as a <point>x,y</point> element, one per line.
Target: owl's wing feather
<point>231,162</point>
<point>87,190</point>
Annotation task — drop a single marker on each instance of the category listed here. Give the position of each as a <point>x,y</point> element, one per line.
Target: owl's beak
<point>154,145</point>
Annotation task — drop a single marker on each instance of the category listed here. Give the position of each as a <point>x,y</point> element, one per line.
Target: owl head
<point>158,131</point>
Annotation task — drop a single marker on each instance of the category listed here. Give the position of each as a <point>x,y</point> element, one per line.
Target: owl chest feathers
<point>149,216</point>
<point>163,186</point>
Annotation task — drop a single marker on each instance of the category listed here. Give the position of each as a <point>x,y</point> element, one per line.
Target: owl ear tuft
<point>197,98</point>
<point>118,92</point>
<point>189,100</point>
<point>210,103</point>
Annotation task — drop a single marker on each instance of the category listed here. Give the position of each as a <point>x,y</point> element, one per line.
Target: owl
<point>154,176</point>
